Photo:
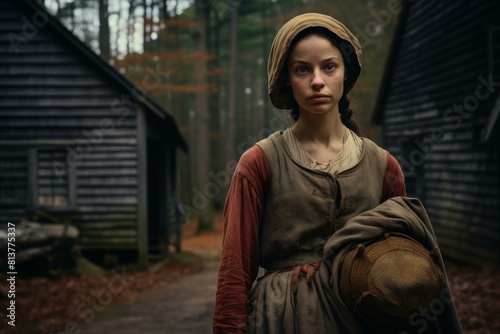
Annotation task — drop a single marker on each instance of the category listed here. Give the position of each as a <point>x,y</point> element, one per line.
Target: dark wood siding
<point>54,101</point>
<point>434,116</point>
<point>14,184</point>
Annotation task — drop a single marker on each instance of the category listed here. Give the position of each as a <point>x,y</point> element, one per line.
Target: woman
<point>291,191</point>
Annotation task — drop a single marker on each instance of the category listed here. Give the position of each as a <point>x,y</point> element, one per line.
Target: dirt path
<point>185,307</point>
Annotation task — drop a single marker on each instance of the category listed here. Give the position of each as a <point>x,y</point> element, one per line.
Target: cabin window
<point>33,177</point>
<point>14,177</point>
<point>53,185</point>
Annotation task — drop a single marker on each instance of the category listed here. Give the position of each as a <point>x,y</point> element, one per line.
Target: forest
<point>205,62</point>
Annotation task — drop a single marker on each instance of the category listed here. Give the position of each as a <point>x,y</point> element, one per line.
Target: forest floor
<point>63,304</point>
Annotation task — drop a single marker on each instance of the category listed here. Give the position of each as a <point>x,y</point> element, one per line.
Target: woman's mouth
<point>319,98</point>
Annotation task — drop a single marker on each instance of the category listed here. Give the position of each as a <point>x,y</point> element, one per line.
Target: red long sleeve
<point>240,251</point>
<point>394,180</point>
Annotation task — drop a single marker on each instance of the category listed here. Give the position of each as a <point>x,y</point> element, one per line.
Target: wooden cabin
<point>80,142</point>
<point>439,110</point>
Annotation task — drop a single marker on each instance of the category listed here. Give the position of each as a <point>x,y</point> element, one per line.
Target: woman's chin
<point>318,110</point>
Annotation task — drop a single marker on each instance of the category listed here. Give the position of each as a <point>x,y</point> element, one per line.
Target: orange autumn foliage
<point>177,56</point>
<point>180,23</point>
<point>185,89</point>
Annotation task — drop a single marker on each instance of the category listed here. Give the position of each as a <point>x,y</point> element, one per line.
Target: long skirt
<point>274,307</point>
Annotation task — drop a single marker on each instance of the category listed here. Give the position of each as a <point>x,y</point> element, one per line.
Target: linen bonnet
<point>347,43</point>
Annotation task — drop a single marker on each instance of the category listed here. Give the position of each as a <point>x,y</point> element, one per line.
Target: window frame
<point>32,148</point>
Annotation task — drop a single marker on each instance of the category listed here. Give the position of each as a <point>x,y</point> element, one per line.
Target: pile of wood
<point>41,248</point>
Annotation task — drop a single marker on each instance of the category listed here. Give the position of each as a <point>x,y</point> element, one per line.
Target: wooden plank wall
<point>15,175</point>
<point>52,97</point>
<point>441,59</point>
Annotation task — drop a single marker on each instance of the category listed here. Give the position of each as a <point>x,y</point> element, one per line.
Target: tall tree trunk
<point>218,107</point>
<point>104,29</point>
<point>265,54</point>
<point>231,109</point>
<point>176,5</point>
<point>204,192</point>
<point>58,11</point>
<point>163,10</point>
<point>117,36</point>
<point>72,16</point>
<point>130,27</point>
<point>145,36</point>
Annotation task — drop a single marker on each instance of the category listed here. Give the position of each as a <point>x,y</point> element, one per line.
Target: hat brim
<point>387,281</point>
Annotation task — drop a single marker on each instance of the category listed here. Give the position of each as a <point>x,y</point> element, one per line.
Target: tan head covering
<point>347,43</point>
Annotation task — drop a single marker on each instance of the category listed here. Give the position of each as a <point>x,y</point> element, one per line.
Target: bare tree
<point>58,2</point>
<point>104,45</point>
<point>202,118</point>
<point>231,109</point>
<point>163,10</point>
<point>130,26</point>
<point>117,35</point>
<point>145,25</point>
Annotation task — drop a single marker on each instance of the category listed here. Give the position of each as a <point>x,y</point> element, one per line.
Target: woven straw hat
<point>347,43</point>
<point>389,280</point>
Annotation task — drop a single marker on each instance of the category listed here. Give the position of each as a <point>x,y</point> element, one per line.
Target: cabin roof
<point>112,73</point>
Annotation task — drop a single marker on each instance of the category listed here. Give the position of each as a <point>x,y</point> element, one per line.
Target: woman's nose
<point>317,80</point>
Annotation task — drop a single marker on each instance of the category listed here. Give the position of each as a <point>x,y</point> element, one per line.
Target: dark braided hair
<point>346,116</point>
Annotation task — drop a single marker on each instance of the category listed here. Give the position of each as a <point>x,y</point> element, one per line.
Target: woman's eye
<point>330,67</point>
<point>302,70</point>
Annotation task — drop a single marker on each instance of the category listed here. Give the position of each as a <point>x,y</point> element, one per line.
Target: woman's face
<point>316,75</point>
